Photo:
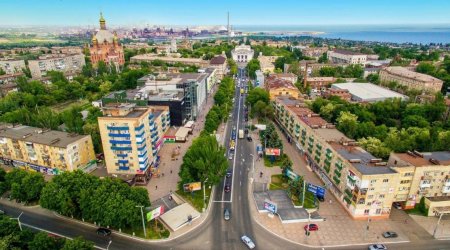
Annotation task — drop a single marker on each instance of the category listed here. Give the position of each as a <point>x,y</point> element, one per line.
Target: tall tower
<point>102,22</point>
<point>228,26</point>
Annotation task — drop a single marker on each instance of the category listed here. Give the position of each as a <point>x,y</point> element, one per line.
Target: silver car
<point>248,242</point>
<point>377,247</point>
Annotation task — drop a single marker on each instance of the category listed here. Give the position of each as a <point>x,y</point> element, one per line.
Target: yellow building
<point>281,87</point>
<point>132,137</point>
<point>410,79</point>
<point>45,151</point>
<point>363,184</point>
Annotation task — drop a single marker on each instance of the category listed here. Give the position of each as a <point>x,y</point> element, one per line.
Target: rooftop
<point>172,78</point>
<point>320,79</point>
<point>218,60</point>
<point>404,72</point>
<point>368,92</point>
<point>52,138</point>
<point>429,158</point>
<point>274,82</point>
<point>346,52</point>
<point>167,58</point>
<point>360,159</point>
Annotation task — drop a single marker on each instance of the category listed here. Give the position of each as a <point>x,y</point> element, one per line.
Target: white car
<point>377,247</point>
<point>247,241</point>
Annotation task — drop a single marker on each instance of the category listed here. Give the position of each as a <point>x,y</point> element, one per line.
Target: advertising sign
<point>270,206</point>
<point>193,186</point>
<point>316,190</point>
<point>155,213</point>
<point>291,175</point>
<point>273,151</point>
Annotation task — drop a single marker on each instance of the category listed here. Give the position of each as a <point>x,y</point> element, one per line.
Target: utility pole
<point>228,26</point>
<point>304,190</point>
<point>143,222</point>
<point>204,195</point>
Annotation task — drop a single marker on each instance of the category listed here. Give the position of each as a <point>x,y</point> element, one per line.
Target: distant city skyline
<point>202,12</point>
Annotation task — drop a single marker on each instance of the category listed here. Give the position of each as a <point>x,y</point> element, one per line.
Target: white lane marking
<point>240,183</point>
<point>239,197</point>
<point>222,201</point>
<point>236,148</point>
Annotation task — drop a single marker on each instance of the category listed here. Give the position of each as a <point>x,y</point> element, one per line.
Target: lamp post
<point>204,195</point>
<point>18,220</point>
<point>143,222</point>
<point>110,241</point>
<point>436,227</point>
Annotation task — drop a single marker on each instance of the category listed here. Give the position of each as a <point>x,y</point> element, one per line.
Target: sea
<point>417,34</point>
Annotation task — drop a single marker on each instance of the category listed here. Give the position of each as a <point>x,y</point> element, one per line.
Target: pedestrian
<point>331,201</point>
<point>406,221</point>
<point>171,171</point>
<point>162,174</point>
<point>156,187</point>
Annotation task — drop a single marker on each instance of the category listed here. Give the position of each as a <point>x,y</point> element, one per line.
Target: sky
<point>213,12</point>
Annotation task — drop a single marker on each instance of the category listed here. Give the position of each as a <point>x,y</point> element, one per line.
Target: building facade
<point>106,47</point>
<point>242,54</point>
<point>410,79</point>
<point>68,64</point>
<point>267,63</point>
<point>281,87</point>
<point>170,60</point>
<point>46,151</point>
<point>318,83</point>
<point>220,64</point>
<point>12,66</point>
<point>346,56</point>
<point>132,137</point>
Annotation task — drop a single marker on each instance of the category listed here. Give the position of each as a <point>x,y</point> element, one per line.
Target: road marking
<point>240,183</point>
<point>222,201</point>
<point>239,197</point>
<point>236,147</point>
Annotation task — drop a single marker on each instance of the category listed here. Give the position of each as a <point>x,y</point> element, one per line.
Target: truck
<point>242,91</point>
<point>241,134</point>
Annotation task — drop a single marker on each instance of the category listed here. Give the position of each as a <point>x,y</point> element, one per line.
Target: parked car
<point>377,247</point>
<point>227,188</point>
<point>103,231</point>
<point>230,156</point>
<point>390,234</point>
<point>321,198</point>
<point>249,138</point>
<point>312,227</point>
<point>397,205</point>
<point>248,242</point>
<point>227,214</point>
<point>229,173</point>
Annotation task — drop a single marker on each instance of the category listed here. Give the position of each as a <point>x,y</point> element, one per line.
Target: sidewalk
<point>338,229</point>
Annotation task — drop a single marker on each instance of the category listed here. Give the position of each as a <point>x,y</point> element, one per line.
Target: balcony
<point>317,158</point>
<point>447,183</point>
<point>446,189</point>
<point>349,193</point>
<point>425,184</point>
<point>339,165</point>
<point>327,162</point>
<point>337,173</point>
<point>336,180</point>
<point>121,148</point>
<point>123,128</point>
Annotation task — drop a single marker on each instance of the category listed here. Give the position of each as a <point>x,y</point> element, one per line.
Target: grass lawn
<point>278,182</point>
<point>196,198</point>
<point>154,231</point>
<point>60,107</point>
<point>415,211</point>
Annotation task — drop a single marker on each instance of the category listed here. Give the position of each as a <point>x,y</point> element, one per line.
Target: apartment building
<point>199,62</point>
<point>314,52</point>
<point>410,79</point>
<point>281,87</point>
<point>46,151</point>
<point>363,184</point>
<point>132,137</point>
<point>70,63</point>
<point>12,66</point>
<point>346,56</point>
<point>267,63</point>
<point>422,174</point>
<point>220,64</point>
<point>318,83</point>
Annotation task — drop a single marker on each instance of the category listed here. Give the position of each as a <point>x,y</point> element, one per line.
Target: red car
<point>312,227</point>
<point>227,188</point>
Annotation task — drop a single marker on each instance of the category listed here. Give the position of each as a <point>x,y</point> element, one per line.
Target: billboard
<point>270,206</point>
<point>155,213</point>
<point>193,186</point>
<point>291,175</point>
<point>273,151</point>
<point>316,190</point>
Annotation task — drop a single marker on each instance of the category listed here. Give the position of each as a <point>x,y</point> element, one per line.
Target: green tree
<point>347,123</point>
<point>73,120</point>
<point>257,94</point>
<point>42,241</point>
<point>78,243</point>
<point>375,146</point>
<point>252,67</point>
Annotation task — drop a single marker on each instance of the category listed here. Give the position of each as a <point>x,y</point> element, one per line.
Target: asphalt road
<point>215,232</point>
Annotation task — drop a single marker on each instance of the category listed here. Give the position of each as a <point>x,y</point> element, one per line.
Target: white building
<point>346,56</point>
<point>259,79</point>
<point>12,66</point>
<point>64,63</point>
<point>242,54</point>
<point>367,92</point>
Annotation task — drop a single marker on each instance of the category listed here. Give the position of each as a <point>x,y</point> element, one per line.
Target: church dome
<point>104,35</point>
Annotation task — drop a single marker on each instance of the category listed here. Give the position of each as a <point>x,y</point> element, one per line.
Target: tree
<point>252,67</point>
<point>347,123</point>
<point>42,241</point>
<point>375,147</point>
<point>426,68</point>
<point>323,58</point>
<point>233,66</point>
<point>78,243</point>
<point>73,120</point>
<point>204,160</point>
<point>257,94</point>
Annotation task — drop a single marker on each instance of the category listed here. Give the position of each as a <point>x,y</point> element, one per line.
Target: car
<point>227,188</point>
<point>234,128</point>
<point>226,214</point>
<point>321,198</point>
<point>397,205</point>
<point>312,227</point>
<point>246,131</point>
<point>230,156</point>
<point>246,119</point>
<point>103,231</point>
<point>248,242</point>
<point>229,174</point>
<point>377,247</point>
<point>249,138</point>
<point>390,234</point>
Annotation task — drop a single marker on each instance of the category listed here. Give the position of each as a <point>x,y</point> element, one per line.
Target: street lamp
<point>204,195</point>
<point>436,227</point>
<point>143,222</point>
<point>18,220</point>
<point>110,241</point>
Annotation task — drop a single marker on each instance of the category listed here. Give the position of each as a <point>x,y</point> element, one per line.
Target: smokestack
<point>228,26</point>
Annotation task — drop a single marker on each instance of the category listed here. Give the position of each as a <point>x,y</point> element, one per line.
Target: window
<point>385,180</point>
<point>366,212</point>
<point>378,211</point>
<point>381,196</point>
<point>370,196</point>
<point>405,181</point>
<point>373,181</point>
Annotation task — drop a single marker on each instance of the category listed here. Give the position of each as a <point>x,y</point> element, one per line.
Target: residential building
<point>422,174</point>
<point>281,87</point>
<point>346,56</point>
<point>46,151</point>
<point>286,76</point>
<point>267,63</point>
<point>66,50</point>
<point>342,93</point>
<point>314,52</point>
<point>367,92</point>
<point>68,64</point>
<point>220,64</point>
<point>106,47</point>
<point>410,79</point>
<point>318,83</point>
<point>199,62</point>
<point>12,66</point>
<point>242,54</point>
<point>363,184</point>
<point>132,137</point>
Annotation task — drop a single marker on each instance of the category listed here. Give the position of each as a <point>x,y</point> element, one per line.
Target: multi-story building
<point>12,66</point>
<point>344,94</point>
<point>281,87</point>
<point>242,54</point>
<point>68,64</point>
<point>67,50</point>
<point>45,151</point>
<point>132,137</point>
<point>314,52</point>
<point>286,76</point>
<point>106,47</point>
<point>422,174</point>
<point>220,64</point>
<point>318,83</point>
<point>199,62</point>
<point>267,63</point>
<point>259,79</point>
<point>346,56</point>
<point>410,79</point>
<point>363,184</point>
